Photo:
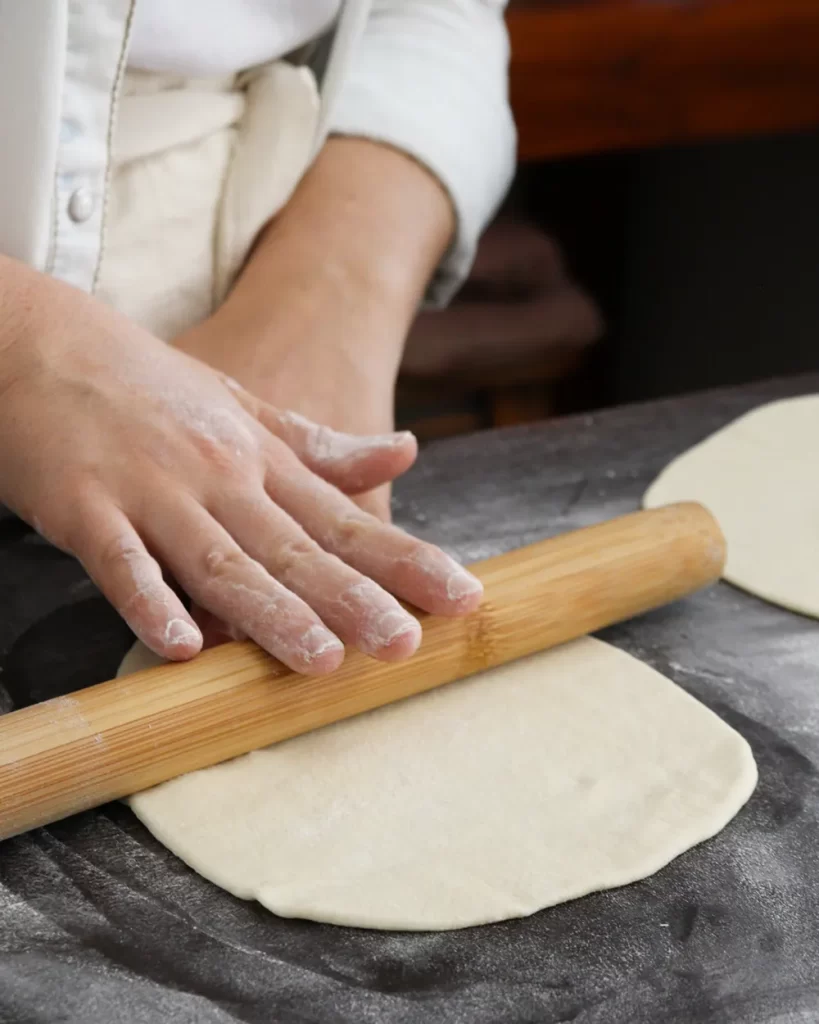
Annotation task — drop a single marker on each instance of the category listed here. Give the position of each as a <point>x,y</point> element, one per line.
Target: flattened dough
<point>575,770</point>
<point>760,477</point>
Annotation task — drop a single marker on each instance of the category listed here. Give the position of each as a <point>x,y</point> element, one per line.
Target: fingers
<point>356,608</point>
<point>230,584</point>
<point>116,559</point>
<point>353,463</point>
<point>418,572</point>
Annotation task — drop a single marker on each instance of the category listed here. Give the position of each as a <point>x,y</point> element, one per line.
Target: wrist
<point>298,306</point>
<point>314,312</point>
<point>291,328</point>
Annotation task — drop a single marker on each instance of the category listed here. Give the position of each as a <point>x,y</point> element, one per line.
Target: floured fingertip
<point>317,652</point>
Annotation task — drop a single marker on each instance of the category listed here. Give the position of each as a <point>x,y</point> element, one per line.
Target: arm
<point>423,153</point>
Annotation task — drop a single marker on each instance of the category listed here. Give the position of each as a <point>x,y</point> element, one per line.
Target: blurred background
<point>662,234</point>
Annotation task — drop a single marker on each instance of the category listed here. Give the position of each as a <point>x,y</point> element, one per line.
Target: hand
<point>135,457</point>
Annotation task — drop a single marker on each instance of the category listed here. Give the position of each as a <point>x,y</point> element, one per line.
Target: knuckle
<point>222,563</point>
<point>350,532</point>
<point>221,456</point>
<point>120,551</point>
<point>295,556</point>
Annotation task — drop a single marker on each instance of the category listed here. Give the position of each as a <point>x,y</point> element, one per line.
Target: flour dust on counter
<point>759,476</point>
<point>569,772</point>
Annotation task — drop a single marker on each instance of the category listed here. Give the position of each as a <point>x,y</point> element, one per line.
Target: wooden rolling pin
<point>108,741</point>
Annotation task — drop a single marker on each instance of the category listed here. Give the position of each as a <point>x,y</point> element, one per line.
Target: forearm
<point>363,231</point>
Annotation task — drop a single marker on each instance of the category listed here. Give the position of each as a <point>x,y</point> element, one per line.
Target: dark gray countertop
<point>98,923</point>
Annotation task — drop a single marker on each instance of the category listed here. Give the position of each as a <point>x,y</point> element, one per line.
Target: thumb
<point>354,463</point>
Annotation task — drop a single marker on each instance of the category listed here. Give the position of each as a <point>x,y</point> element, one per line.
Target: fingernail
<point>316,641</point>
<point>179,632</point>
<point>462,584</point>
<point>388,628</point>
<point>394,440</point>
<point>333,446</point>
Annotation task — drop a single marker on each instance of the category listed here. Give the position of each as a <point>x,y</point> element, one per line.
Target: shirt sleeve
<point>430,77</point>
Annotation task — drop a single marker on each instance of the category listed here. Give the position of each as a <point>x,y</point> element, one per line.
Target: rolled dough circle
<point>568,772</point>
<point>759,476</point>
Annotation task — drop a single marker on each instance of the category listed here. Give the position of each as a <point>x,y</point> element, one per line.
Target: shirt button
<point>81,205</point>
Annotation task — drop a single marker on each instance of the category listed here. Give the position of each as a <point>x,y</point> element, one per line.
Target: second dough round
<point>759,476</point>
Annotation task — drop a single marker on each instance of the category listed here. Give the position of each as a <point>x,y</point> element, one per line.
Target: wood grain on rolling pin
<point>114,739</point>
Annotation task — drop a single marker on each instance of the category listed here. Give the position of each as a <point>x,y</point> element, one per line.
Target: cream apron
<point>198,168</point>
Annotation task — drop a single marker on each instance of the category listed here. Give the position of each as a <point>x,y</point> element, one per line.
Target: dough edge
<point>665,489</point>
